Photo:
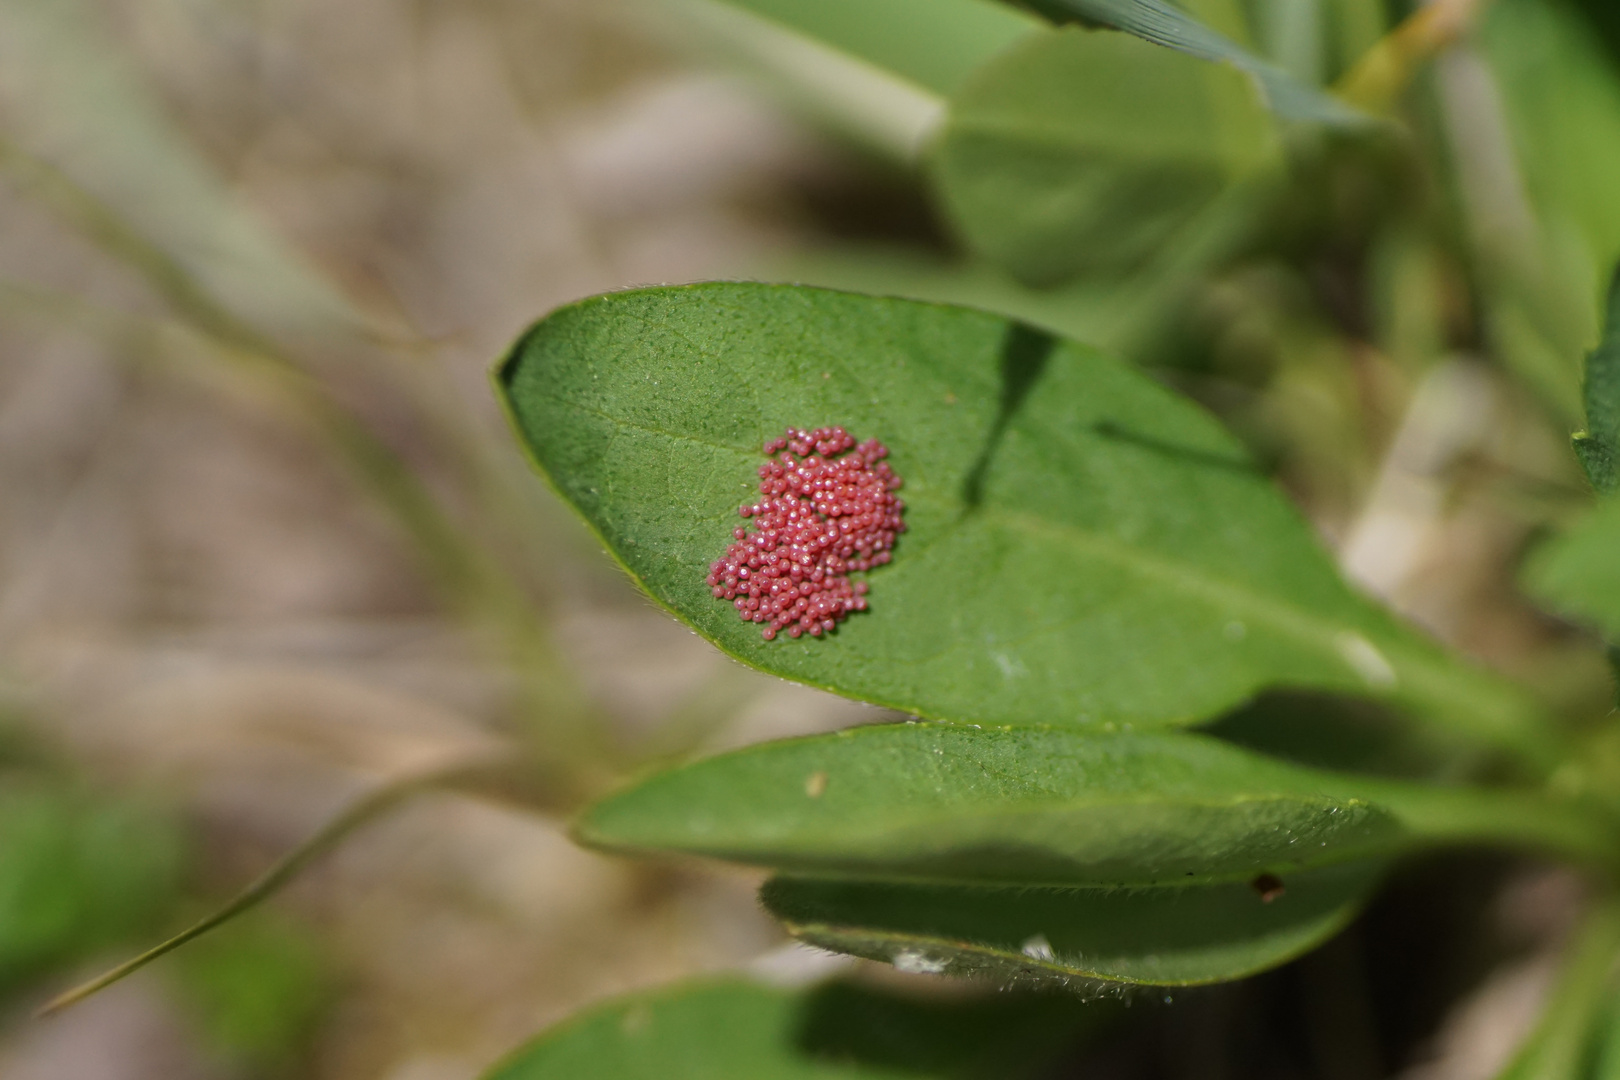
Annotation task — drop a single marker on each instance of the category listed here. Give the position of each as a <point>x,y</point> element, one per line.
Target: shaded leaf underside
<point>1168,937</point>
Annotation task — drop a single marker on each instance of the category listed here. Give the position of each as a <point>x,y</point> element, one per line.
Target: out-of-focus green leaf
<point>1578,573</point>
<point>1562,96</point>
<point>956,804</point>
<point>1104,313</point>
<point>1560,1048</point>
<point>1165,24</point>
<point>732,1029</point>
<point>1605,19</point>
<point>258,990</point>
<point>1166,937</point>
<point>1119,315</point>
<point>1090,151</point>
<point>1599,445</point>
<point>933,43</point>
<point>1083,547</point>
<point>1606,1056</point>
<point>1546,225</point>
<point>1357,25</point>
<point>76,876</point>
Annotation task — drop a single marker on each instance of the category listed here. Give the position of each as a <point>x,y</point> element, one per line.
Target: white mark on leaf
<point>1365,660</point>
<point>913,962</point>
<point>1011,667</point>
<point>1038,948</point>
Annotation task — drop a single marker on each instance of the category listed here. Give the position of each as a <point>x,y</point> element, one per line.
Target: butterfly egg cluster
<point>827,509</point>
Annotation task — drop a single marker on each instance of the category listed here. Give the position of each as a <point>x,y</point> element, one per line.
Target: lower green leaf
<point>957,804</point>
<point>1167,937</point>
<point>733,1029</point>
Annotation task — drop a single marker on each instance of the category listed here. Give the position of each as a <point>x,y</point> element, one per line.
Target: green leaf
<point>1120,315</point>
<point>1606,1059</point>
<point>1166,937</point>
<point>76,876</point>
<point>1546,227</point>
<point>732,1029</point>
<point>1599,445</point>
<point>1083,546</point>
<point>1089,151</point>
<point>1164,24</point>
<point>258,993</point>
<point>948,803</point>
<point>933,43</point>
<point>1578,573</point>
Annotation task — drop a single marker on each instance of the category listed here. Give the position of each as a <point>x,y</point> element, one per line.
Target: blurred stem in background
<point>470,556</point>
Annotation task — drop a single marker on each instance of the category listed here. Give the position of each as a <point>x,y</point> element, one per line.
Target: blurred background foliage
<point>265,541</point>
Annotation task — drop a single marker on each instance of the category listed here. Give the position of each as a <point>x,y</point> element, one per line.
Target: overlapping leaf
<point>1167,937</point>
<point>1083,547</point>
<point>1599,445</point>
<point>933,43</point>
<point>948,803</point>
<point>1579,572</point>
<point>1606,1059</point>
<point>734,1029</point>
<point>1165,24</point>
<point>1089,151</point>
<point>1544,243</point>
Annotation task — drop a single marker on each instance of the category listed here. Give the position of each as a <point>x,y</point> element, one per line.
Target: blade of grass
<point>361,812</point>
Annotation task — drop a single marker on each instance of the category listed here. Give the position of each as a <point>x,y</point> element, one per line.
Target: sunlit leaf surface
<point>1084,547</point>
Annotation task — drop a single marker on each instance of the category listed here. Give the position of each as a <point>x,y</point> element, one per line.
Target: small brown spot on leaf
<point>815,784</point>
<point>1269,886</point>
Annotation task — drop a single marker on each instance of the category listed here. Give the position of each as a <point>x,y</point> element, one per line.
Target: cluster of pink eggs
<point>827,510</point>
